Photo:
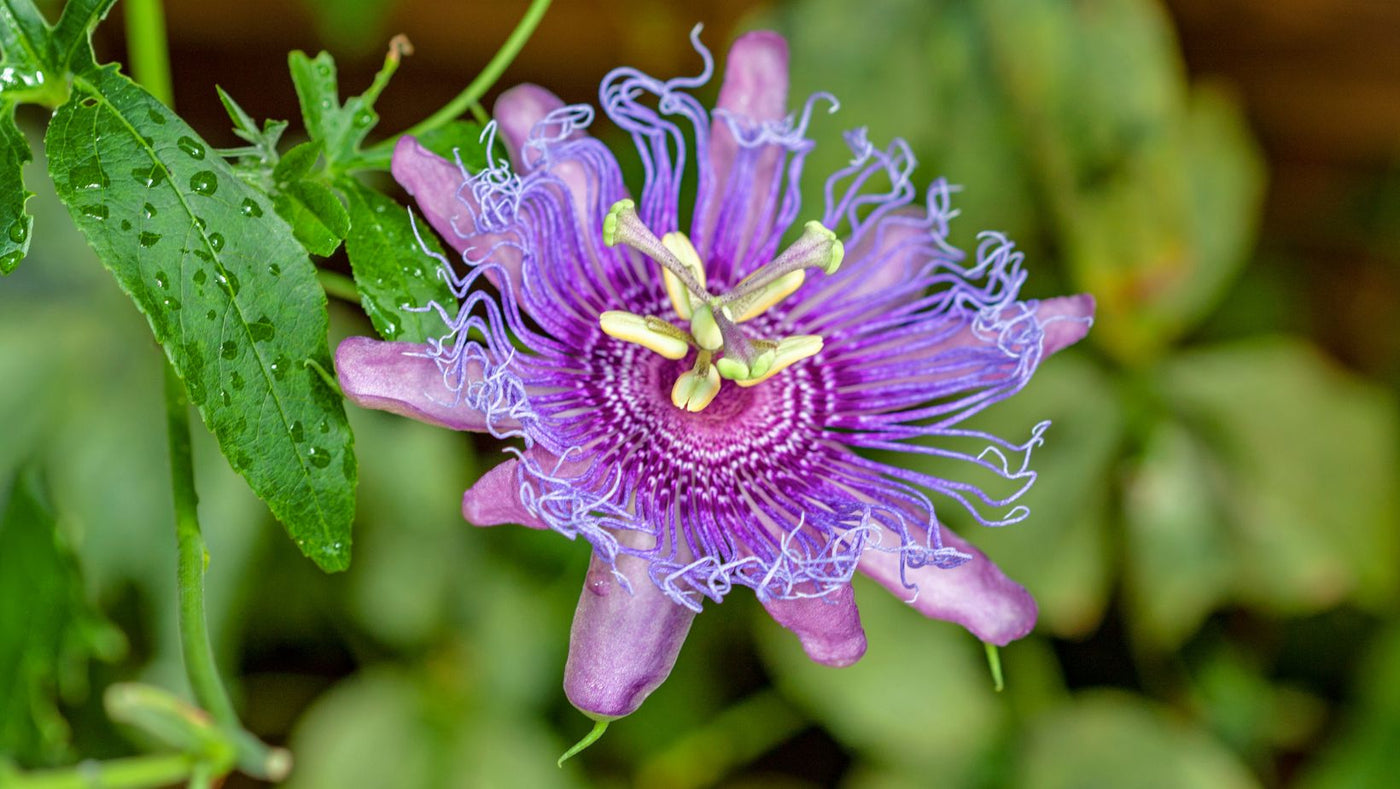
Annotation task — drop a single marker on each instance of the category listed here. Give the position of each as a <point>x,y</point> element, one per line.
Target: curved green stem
<point>150,59</point>
<point>131,773</point>
<point>470,97</point>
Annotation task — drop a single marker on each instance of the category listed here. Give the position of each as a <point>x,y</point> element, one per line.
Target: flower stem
<point>338,285</point>
<point>130,773</point>
<point>470,97</point>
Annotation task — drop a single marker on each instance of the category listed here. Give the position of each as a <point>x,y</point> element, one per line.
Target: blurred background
<point>1214,538</point>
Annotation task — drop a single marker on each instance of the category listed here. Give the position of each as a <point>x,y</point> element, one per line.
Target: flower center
<point>724,350</point>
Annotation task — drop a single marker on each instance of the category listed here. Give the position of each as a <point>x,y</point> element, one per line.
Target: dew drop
<point>211,315</point>
<point>319,457</point>
<point>298,434</point>
<point>274,269</point>
<point>325,426</point>
<point>156,117</point>
<point>250,208</point>
<point>126,226</point>
<point>97,211</point>
<point>191,146</point>
<point>88,176</point>
<point>229,350</point>
<point>199,277</point>
<point>148,211</point>
<point>196,390</point>
<point>235,379</point>
<point>216,240</point>
<point>200,222</point>
<point>162,281</point>
<point>279,367</point>
<point>204,182</point>
<point>149,176</point>
<point>148,239</point>
<point>262,329</point>
<point>19,231</point>
<point>10,259</point>
<point>225,397</point>
<point>172,304</point>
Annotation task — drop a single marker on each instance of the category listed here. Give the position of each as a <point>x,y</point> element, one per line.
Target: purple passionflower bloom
<point>697,405</point>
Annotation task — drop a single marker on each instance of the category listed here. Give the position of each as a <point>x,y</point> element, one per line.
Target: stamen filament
<point>818,247</point>
<point>789,352</point>
<point>623,226</point>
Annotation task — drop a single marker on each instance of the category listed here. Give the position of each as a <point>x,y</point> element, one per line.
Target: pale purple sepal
<point>622,646</point>
<point>495,499</point>
<point>1066,320</point>
<point>436,185</point>
<point>828,627</point>
<point>398,377</point>
<point>517,111</point>
<point>976,595</point>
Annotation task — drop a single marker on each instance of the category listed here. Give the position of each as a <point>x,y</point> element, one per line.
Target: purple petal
<point>976,595</point>
<point>397,377</point>
<point>622,646</point>
<point>1066,320</point>
<point>829,626</point>
<point>436,184</point>
<point>754,91</point>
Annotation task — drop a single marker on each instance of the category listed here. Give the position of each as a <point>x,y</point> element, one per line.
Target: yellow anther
<point>706,331</point>
<point>790,351</point>
<point>697,388</point>
<point>651,333</point>
<point>681,298</point>
<point>755,304</point>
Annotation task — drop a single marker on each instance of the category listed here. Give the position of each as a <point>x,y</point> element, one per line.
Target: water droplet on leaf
<point>204,182</point>
<point>148,239</point>
<point>191,146</point>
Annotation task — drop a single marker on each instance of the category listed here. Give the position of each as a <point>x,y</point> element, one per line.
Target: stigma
<point>723,349</point>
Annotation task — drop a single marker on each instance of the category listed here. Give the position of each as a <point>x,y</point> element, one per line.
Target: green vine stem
<point>150,66</point>
<point>131,773</point>
<point>470,97</point>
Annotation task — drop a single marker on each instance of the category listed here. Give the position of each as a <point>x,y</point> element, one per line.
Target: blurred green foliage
<point>1213,537</point>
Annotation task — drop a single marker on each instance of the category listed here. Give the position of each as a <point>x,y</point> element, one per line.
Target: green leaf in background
<point>921,696</point>
<point>1115,741</point>
<point>16,225</point>
<point>1303,460</point>
<point>1152,192</point>
<point>47,628</point>
<point>1366,750</point>
<point>1179,559</point>
<point>391,270</point>
<point>457,140</point>
<point>227,292</point>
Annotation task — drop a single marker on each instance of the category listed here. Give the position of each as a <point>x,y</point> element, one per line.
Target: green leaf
<point>17,224</point>
<point>457,139</point>
<point>72,35</point>
<point>339,129</point>
<point>1366,750</point>
<point>264,140</point>
<point>25,40</point>
<point>894,705</point>
<point>1303,459</point>
<point>297,163</point>
<point>391,270</point>
<point>316,215</point>
<point>1180,562</point>
<point>1111,739</point>
<point>227,291</point>
<point>47,628</point>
